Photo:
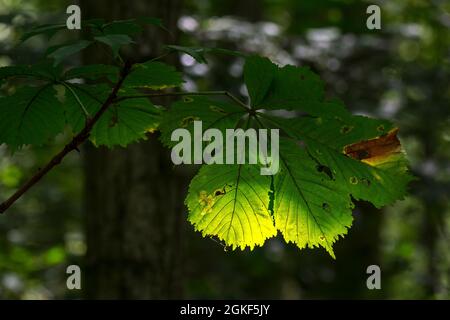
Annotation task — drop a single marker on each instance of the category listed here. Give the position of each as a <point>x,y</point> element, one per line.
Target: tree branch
<point>81,137</point>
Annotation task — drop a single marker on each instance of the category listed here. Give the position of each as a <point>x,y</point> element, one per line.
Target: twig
<point>72,145</point>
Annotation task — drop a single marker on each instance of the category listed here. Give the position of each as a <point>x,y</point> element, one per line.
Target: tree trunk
<point>134,198</point>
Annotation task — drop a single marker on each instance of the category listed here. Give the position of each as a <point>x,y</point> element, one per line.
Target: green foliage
<point>114,35</point>
<point>258,74</point>
<point>32,115</point>
<point>93,72</point>
<point>313,191</point>
<point>232,203</point>
<point>123,123</point>
<point>59,53</point>
<point>41,71</point>
<point>115,42</point>
<point>213,114</point>
<point>380,183</point>
<point>153,75</point>
<point>309,200</point>
<point>47,30</point>
<point>309,209</point>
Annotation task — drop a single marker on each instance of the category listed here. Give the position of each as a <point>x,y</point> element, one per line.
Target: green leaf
<point>93,23</point>
<point>153,75</point>
<point>232,203</point>
<point>48,30</point>
<point>128,27</point>
<point>124,27</point>
<point>64,51</point>
<point>294,88</point>
<point>197,53</point>
<point>32,115</point>
<point>309,209</point>
<point>115,42</point>
<point>93,72</point>
<point>213,114</point>
<point>43,71</point>
<point>381,181</point>
<point>123,123</point>
<point>258,75</point>
<point>288,88</point>
<point>328,158</point>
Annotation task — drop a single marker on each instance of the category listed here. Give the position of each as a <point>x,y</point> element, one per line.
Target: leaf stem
<point>77,98</point>
<point>198,93</point>
<point>163,55</point>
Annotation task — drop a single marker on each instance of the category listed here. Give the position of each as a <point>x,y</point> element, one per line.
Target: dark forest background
<point>119,213</point>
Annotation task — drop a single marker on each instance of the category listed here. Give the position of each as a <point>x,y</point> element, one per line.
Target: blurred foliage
<point>401,73</point>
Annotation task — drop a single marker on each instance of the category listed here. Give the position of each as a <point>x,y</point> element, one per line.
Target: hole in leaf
<point>219,192</point>
<point>380,128</point>
<point>353,180</point>
<point>325,169</point>
<point>188,99</point>
<point>346,129</point>
<point>326,207</point>
<point>322,238</point>
<point>365,182</point>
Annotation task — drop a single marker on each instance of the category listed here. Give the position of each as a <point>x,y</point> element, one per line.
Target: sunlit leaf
<point>328,159</point>
<point>231,202</point>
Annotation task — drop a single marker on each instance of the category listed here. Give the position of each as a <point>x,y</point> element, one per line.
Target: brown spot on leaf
<point>217,109</point>
<point>377,150</point>
<point>346,129</point>
<point>188,120</point>
<point>353,180</point>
